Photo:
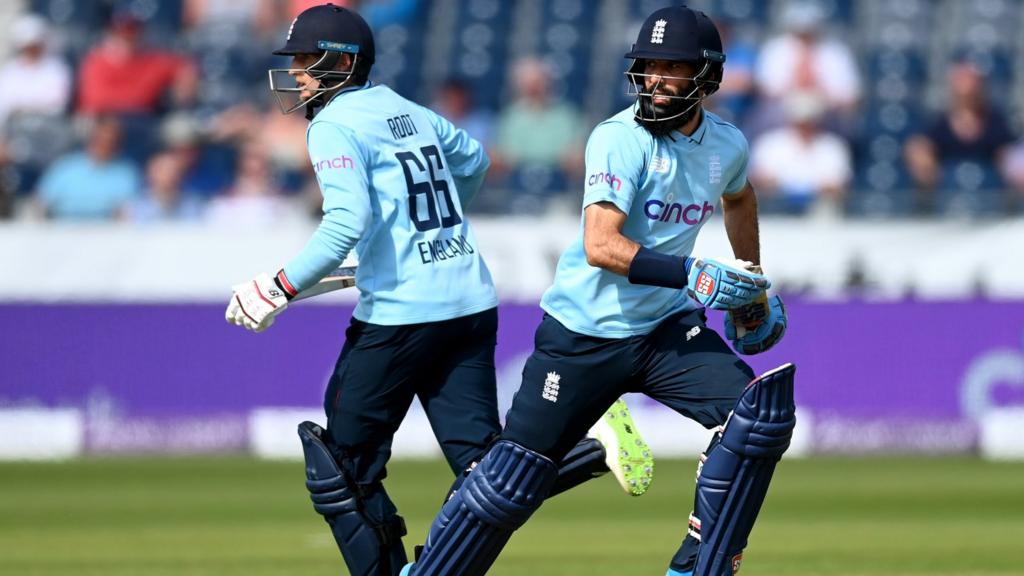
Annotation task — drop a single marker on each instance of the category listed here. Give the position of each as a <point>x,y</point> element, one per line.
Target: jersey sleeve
<point>740,167</point>
<point>467,160</point>
<point>615,162</point>
<point>341,165</point>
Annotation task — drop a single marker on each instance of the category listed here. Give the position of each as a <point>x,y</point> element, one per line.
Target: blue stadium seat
<point>907,64</point>
<point>895,119</point>
<point>33,142</point>
<point>953,203</point>
<point>881,175</point>
<point>880,203</point>
<point>971,175</point>
<point>162,17</point>
<point>89,14</point>
<point>400,50</point>
<point>480,54</point>
<point>567,39</point>
<point>839,12</point>
<point>393,66</point>
<point>532,186</point>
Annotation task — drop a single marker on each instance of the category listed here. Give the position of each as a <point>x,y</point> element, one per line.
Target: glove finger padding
<point>757,327</point>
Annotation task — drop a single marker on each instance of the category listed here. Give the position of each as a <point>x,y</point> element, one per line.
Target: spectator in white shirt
<point>33,81</point>
<point>806,59</point>
<point>800,165</point>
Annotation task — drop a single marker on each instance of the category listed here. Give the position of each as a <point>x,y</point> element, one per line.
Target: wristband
<point>282,282</point>
<point>657,269</point>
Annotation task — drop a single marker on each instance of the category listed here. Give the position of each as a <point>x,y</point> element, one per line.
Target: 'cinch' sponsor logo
<point>675,212</point>
<point>605,178</point>
<point>334,163</point>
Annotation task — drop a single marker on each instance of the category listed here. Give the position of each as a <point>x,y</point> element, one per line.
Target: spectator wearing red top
<point>120,76</point>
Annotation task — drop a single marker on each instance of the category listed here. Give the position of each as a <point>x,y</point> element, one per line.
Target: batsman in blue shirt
<point>625,314</point>
<point>395,179</point>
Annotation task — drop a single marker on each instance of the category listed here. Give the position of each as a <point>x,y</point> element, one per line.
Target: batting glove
<point>254,304</point>
<point>756,327</point>
<point>723,284</point>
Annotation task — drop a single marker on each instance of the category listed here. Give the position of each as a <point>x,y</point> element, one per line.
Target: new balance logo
<point>658,33</point>
<point>692,333</point>
<point>551,384</point>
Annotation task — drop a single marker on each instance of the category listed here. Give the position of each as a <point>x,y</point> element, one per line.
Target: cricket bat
<point>344,277</point>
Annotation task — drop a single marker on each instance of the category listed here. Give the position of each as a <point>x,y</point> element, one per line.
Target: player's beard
<point>677,112</point>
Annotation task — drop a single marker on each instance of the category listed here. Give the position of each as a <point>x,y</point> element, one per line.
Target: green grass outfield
<point>225,517</point>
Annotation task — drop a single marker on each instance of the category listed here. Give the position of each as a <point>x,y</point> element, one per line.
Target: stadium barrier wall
<point>939,260</point>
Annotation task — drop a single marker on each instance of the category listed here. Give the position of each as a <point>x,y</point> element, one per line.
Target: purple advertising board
<point>900,376</point>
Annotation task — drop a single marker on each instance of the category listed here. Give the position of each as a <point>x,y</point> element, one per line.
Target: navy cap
<point>678,33</point>
<point>329,27</point>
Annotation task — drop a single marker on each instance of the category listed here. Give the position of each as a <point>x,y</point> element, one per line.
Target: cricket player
<point>625,315</point>
<point>395,179</point>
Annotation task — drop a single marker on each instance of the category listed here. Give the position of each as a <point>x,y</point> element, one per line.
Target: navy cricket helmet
<point>679,34</point>
<point>327,31</point>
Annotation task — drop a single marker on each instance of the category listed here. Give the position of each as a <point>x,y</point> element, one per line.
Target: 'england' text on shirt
<point>444,249</point>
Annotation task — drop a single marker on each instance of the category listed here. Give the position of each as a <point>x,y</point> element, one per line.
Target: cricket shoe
<point>626,453</point>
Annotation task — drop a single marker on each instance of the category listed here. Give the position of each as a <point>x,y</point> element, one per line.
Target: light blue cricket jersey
<point>668,189</point>
<point>395,177</point>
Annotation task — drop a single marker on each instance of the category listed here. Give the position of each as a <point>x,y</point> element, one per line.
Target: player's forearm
<point>611,252</point>
<point>741,226</point>
<point>325,251</point>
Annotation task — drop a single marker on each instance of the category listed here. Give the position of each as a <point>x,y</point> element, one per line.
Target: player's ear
<point>345,62</point>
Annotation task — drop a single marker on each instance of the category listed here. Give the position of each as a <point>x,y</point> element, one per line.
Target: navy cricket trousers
<point>448,365</point>
<point>571,379</point>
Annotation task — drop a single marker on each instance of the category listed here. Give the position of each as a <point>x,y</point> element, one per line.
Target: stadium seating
<point>903,48</point>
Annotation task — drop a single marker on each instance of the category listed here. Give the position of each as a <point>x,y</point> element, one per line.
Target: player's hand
<point>255,303</point>
<point>722,284</point>
<point>756,327</point>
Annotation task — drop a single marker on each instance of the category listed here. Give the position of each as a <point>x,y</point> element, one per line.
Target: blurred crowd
<point>146,116</point>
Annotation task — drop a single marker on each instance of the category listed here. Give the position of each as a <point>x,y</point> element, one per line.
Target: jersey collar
<point>698,135</point>
<point>369,84</point>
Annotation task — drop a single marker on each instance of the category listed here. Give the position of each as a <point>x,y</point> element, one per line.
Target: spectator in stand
<point>800,165</point>
<point>255,198</point>
<point>454,101</point>
<point>970,129</point>
<point>282,136</point>
<point>33,81</point>
<point>535,129</point>
<point>94,184</point>
<point>805,59</point>
<point>120,76</point>
<point>259,16</point>
<point>164,200</point>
